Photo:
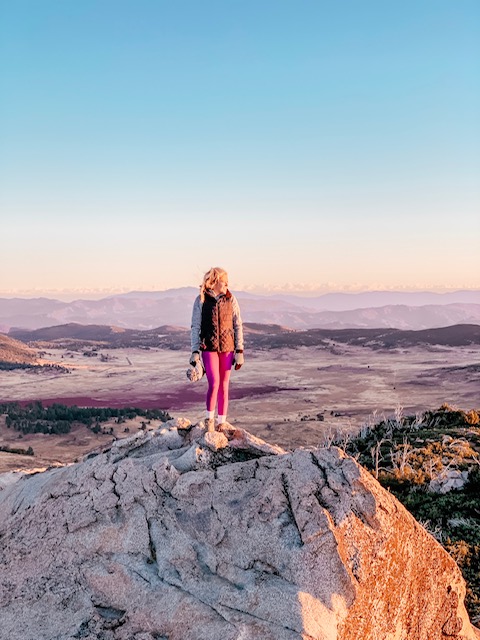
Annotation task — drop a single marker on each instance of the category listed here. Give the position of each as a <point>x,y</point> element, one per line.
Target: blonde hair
<point>210,279</point>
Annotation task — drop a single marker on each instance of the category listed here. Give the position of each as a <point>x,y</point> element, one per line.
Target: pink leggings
<point>217,367</point>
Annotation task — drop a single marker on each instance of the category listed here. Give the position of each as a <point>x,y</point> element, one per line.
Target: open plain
<point>293,397</point>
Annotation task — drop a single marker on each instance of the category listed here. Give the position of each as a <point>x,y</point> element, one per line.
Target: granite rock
<point>176,534</point>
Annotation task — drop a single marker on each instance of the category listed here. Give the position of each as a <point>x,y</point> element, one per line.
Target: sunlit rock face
<point>180,534</point>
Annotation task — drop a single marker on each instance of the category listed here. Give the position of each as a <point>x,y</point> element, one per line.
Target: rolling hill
<point>256,336</point>
<point>16,352</point>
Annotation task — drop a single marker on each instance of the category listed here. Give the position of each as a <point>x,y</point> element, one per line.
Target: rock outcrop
<point>180,534</point>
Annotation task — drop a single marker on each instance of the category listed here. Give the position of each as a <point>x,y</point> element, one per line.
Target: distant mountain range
<point>147,310</point>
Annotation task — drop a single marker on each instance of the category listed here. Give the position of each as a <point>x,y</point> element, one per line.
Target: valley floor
<point>292,397</point>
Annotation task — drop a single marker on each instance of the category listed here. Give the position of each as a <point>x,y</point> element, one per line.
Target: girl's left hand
<point>239,360</point>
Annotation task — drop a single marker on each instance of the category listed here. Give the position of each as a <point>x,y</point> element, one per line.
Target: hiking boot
<point>210,424</point>
<point>227,429</point>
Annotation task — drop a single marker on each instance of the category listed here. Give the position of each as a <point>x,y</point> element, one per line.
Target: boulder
<point>182,535</point>
<point>448,480</point>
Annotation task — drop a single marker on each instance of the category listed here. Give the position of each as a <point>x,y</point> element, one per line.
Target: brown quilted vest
<point>216,330</point>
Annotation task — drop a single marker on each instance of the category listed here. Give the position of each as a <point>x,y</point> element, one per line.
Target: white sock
<point>221,419</point>
<point>209,415</point>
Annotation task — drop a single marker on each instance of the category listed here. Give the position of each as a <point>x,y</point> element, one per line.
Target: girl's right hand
<point>194,358</point>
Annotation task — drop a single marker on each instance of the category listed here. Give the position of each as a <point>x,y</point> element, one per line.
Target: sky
<point>303,145</point>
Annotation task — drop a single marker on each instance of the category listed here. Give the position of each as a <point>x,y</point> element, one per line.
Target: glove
<point>239,360</point>
<point>194,358</point>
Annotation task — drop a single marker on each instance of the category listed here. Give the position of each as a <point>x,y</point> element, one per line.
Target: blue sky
<point>298,144</point>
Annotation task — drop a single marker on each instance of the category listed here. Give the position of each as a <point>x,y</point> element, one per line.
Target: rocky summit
<point>182,534</point>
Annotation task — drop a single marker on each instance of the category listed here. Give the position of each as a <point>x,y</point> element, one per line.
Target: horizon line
<point>305,291</point>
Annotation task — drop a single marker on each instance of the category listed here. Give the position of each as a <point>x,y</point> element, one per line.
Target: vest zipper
<point>218,325</point>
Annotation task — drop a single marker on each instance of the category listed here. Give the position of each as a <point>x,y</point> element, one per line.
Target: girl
<point>217,332</point>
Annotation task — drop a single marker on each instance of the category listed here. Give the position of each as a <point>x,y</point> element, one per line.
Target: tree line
<point>11,366</point>
<point>58,418</point>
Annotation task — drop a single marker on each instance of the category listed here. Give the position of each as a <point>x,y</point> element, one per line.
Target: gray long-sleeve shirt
<point>197,322</point>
